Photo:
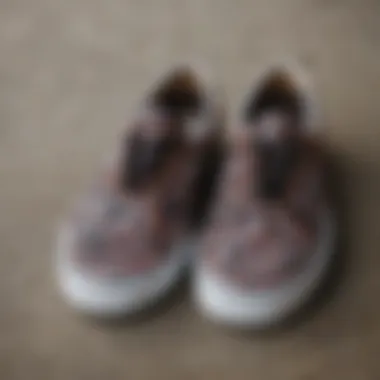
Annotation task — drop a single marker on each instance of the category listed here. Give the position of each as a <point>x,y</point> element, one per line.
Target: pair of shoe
<point>246,210</point>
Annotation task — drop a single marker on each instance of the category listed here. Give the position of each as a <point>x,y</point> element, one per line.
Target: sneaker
<point>271,234</point>
<point>128,239</point>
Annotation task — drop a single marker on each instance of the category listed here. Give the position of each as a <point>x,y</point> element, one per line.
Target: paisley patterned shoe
<point>126,242</point>
<point>271,233</point>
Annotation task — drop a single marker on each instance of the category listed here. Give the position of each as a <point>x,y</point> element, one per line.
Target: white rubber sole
<point>113,297</point>
<point>223,303</point>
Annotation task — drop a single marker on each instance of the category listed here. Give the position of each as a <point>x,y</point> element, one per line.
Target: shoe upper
<point>138,207</point>
<point>266,216</point>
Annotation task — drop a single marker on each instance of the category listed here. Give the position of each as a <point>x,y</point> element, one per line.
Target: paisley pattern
<point>120,231</point>
<point>106,226</point>
<point>139,205</point>
<point>256,242</point>
<point>124,234</point>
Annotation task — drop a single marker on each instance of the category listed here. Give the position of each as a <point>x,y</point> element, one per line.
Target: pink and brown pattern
<point>125,233</point>
<point>256,242</point>
<point>139,205</point>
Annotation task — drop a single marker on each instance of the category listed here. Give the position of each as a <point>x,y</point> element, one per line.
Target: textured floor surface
<point>70,72</point>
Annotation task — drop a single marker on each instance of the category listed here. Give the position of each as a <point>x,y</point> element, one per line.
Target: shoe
<point>128,239</point>
<point>270,238</point>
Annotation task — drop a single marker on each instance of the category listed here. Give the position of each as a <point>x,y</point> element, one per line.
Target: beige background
<point>70,72</point>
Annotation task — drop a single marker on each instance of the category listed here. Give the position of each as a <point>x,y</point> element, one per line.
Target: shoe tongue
<point>275,127</point>
<point>276,144</point>
<point>147,149</point>
<point>155,123</point>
